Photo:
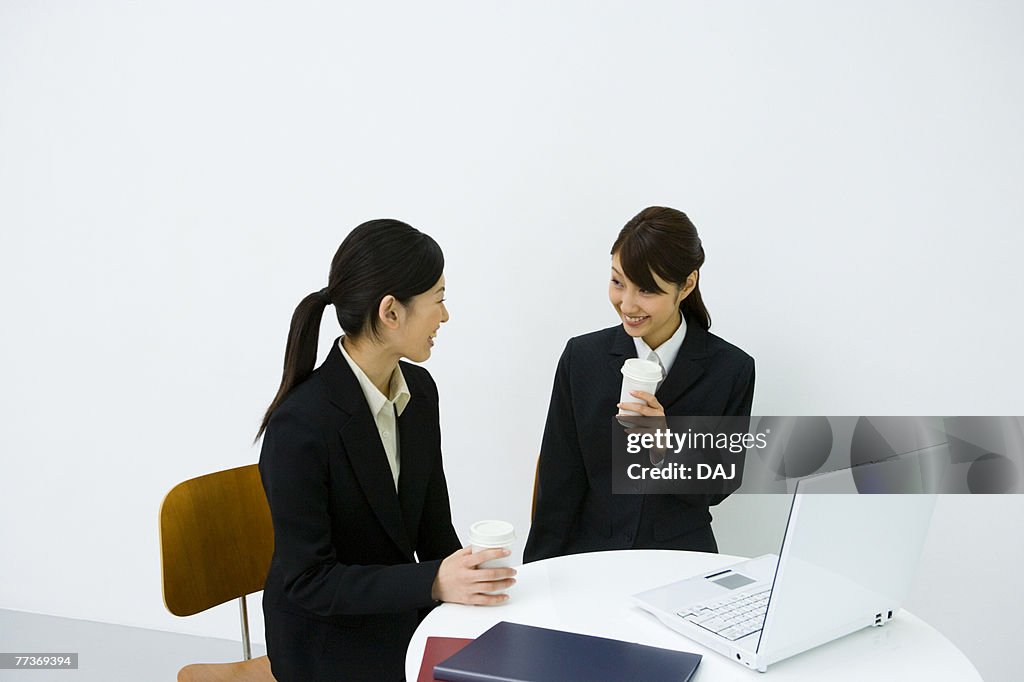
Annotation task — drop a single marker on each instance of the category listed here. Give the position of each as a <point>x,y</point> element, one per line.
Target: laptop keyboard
<point>732,617</point>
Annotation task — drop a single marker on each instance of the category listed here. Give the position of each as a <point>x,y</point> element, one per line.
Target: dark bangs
<point>639,255</point>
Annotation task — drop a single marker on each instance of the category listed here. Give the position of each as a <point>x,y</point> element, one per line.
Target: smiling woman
<point>655,290</point>
<point>652,314</point>
<point>351,464</point>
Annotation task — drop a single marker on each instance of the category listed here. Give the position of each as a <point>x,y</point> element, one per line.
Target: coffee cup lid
<point>641,370</point>
<point>494,533</point>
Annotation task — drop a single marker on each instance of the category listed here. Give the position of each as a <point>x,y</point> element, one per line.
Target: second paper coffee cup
<point>638,375</point>
<point>491,535</point>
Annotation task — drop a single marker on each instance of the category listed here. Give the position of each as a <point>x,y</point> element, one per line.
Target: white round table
<point>589,594</point>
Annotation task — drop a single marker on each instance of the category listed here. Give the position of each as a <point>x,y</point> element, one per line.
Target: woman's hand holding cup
<point>651,419</point>
<point>460,581</point>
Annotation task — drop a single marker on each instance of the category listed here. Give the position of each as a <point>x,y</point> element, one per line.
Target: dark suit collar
<point>364,448</point>
<point>342,386</point>
<point>686,369</point>
<point>622,344</point>
<point>695,343</point>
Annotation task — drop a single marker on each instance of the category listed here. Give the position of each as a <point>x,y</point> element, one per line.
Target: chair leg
<point>246,651</point>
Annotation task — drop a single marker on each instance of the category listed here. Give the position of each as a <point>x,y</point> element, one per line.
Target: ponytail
<point>694,310</point>
<point>300,352</point>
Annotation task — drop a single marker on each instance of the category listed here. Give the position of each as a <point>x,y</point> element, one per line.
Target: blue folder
<point>510,652</point>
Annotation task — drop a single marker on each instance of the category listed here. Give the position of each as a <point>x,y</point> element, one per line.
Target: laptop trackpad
<point>730,580</point>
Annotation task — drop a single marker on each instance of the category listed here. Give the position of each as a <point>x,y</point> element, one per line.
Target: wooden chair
<point>216,540</point>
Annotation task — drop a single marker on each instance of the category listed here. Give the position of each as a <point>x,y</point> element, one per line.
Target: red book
<point>436,650</point>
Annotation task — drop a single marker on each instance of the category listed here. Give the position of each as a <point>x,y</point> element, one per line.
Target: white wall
<point>175,176</point>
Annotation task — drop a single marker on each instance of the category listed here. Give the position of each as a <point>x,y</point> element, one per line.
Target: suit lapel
<point>370,462</point>
<point>687,367</point>
<point>621,349</point>
<point>364,448</point>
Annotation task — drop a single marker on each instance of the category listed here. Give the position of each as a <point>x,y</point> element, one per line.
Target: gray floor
<point>108,652</point>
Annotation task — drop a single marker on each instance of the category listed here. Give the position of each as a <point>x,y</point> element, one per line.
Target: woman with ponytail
<point>351,464</point>
<point>655,291</point>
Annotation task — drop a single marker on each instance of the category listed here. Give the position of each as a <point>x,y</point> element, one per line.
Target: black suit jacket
<point>576,511</point>
<point>344,592</point>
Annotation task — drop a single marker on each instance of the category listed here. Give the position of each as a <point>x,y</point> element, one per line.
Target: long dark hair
<point>663,240</point>
<point>378,258</point>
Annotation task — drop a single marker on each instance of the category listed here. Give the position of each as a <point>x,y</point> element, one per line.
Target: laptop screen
<point>847,559</point>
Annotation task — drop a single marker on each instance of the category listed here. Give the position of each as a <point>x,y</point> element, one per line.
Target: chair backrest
<point>216,540</point>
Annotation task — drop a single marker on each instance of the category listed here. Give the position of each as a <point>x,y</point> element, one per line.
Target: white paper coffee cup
<point>492,535</point>
<point>638,375</point>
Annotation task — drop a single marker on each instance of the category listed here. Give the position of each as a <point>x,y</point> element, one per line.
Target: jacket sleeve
<point>735,418</point>
<point>293,466</point>
<point>438,538</point>
<point>561,476</point>
<point>741,399</point>
<point>742,396</point>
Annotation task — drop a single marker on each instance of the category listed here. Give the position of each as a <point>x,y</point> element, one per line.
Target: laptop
<point>847,562</point>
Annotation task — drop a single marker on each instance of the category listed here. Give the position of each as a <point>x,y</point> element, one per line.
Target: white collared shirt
<point>666,353</point>
<point>385,409</point>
